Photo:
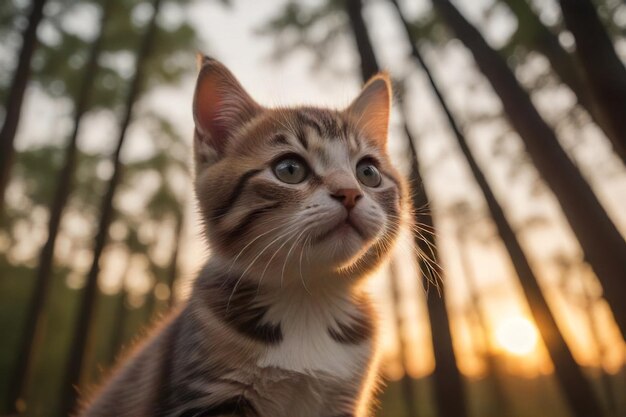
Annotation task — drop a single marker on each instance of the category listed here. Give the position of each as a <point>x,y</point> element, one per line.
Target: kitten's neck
<point>320,291</point>
<point>270,313</point>
<point>298,279</point>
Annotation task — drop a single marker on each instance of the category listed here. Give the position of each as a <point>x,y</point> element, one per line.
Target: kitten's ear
<point>220,106</point>
<point>371,109</point>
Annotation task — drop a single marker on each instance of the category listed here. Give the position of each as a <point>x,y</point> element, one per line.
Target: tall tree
<point>449,392</point>
<point>119,319</point>
<point>447,377</point>
<point>589,305</point>
<point>602,244</point>
<point>408,390</point>
<point>532,34</point>
<point>34,316</point>
<point>88,299</point>
<point>604,71</point>
<point>164,207</point>
<point>172,270</point>
<point>578,391</point>
<point>499,403</point>
<point>587,300</point>
<point>13,105</point>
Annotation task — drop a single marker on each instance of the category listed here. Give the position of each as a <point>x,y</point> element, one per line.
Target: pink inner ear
<point>371,108</point>
<point>208,106</point>
<point>221,105</point>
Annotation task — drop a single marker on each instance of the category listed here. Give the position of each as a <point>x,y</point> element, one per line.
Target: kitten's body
<point>277,324</point>
<point>201,365</point>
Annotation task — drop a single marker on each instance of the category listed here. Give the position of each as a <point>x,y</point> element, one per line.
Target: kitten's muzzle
<point>346,222</point>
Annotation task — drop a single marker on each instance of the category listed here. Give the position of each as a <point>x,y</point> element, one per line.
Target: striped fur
<point>277,324</point>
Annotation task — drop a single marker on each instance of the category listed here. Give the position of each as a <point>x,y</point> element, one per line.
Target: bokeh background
<point>509,119</point>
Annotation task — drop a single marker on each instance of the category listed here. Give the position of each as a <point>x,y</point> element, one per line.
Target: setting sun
<point>517,335</point>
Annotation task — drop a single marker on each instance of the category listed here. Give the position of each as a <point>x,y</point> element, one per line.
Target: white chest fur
<point>307,346</point>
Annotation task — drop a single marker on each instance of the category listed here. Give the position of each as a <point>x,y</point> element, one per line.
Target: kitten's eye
<point>291,170</point>
<point>368,174</point>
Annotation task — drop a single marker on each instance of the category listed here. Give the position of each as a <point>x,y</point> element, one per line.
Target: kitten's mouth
<point>343,227</point>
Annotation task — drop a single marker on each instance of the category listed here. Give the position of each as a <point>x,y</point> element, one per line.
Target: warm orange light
<point>517,335</point>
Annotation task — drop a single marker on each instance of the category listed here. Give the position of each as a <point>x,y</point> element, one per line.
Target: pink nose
<point>347,196</point>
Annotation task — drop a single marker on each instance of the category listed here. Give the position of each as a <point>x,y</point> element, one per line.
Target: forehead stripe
<point>332,126</point>
<point>302,139</point>
<point>280,139</point>
<point>234,195</point>
<point>305,119</point>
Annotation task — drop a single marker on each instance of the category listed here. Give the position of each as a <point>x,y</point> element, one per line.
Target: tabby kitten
<point>299,205</point>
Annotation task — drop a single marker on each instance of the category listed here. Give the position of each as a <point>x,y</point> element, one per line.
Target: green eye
<point>368,174</point>
<point>291,170</point>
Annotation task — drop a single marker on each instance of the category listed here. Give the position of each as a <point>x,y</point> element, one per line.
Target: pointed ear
<point>371,109</point>
<point>220,107</point>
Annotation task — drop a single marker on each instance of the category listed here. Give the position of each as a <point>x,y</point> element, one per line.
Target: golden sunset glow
<point>173,176</point>
<point>517,335</point>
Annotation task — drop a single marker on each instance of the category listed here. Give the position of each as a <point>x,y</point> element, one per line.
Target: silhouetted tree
<point>601,242</point>
<point>535,36</point>
<point>134,247</point>
<point>13,105</point>
<point>165,205</point>
<point>63,188</point>
<point>603,69</point>
<point>119,322</point>
<point>449,393</point>
<point>406,383</point>
<point>88,299</point>
<point>172,270</point>
<point>499,403</point>
<point>587,301</point>
<point>578,391</point>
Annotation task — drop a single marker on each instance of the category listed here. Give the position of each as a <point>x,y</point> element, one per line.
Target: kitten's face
<point>300,191</point>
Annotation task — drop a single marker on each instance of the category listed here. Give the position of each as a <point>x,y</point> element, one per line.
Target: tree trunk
<point>117,339</point>
<point>601,352</point>
<point>545,42</point>
<point>602,244</point>
<point>408,391</point>
<point>579,393</point>
<point>151,301</point>
<point>87,303</point>
<point>35,312</point>
<point>604,71</point>
<point>449,392</point>
<point>152,304</point>
<point>500,404</point>
<point>119,320</point>
<point>13,105</point>
<point>173,267</point>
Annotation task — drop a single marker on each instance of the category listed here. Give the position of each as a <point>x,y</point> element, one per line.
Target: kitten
<point>299,206</point>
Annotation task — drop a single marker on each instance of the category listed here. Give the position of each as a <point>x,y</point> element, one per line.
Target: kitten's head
<point>304,191</point>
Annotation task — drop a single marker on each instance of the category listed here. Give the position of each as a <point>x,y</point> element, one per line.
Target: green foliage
<point>33,170</point>
<point>314,29</point>
<point>63,53</point>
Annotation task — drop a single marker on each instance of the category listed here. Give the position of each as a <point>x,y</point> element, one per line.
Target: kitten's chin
<point>341,246</point>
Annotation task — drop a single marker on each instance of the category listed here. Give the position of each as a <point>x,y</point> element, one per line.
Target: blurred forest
<point>509,121</point>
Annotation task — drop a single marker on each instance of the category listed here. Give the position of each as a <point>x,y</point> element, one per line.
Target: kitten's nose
<point>347,196</point>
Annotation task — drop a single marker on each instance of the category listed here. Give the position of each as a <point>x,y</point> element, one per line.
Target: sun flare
<point>517,336</point>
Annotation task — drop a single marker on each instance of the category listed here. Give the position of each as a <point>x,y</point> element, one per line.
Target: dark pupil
<point>291,168</point>
<point>368,171</point>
